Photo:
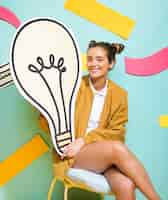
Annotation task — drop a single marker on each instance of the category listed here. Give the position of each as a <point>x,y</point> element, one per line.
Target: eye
<point>89,59</point>
<point>100,59</point>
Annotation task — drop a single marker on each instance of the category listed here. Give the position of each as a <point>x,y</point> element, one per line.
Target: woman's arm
<point>114,131</point>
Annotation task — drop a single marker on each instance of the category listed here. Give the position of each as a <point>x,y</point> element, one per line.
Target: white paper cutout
<point>45,65</point>
<point>5,76</point>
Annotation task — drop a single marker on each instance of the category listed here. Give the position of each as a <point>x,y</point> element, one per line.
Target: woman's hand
<point>73,148</point>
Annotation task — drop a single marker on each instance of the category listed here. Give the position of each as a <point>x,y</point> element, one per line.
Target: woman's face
<point>97,62</point>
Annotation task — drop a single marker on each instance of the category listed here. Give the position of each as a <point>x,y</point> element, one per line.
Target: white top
<point>97,106</point>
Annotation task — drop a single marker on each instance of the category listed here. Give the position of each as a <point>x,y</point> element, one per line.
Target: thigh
<point>96,157</point>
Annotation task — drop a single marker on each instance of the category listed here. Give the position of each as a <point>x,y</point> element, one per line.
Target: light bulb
<point>5,76</point>
<point>45,65</point>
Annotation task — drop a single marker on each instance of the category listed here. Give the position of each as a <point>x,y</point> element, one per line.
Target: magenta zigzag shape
<point>147,66</point>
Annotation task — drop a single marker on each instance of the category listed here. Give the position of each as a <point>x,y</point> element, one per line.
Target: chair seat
<point>93,180</point>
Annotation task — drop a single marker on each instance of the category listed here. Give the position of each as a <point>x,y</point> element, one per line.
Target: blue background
<point>148,96</point>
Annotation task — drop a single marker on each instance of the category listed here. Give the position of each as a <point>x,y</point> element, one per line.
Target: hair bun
<point>118,48</point>
<point>92,43</point>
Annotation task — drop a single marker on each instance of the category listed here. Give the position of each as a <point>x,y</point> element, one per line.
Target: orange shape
<point>23,157</point>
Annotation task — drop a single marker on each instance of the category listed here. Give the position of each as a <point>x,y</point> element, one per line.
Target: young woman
<point>100,117</point>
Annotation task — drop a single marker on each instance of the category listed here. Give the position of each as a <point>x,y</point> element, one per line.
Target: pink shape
<point>147,66</point>
<point>8,16</point>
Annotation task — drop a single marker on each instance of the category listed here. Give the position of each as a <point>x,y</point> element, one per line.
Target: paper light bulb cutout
<point>45,65</point>
<point>5,76</point>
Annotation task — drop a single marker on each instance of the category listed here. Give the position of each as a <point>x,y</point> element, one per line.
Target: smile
<point>94,70</point>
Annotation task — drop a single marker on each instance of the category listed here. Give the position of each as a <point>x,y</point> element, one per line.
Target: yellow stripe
<point>84,68</point>
<point>101,15</point>
<point>23,157</point>
<point>163,121</point>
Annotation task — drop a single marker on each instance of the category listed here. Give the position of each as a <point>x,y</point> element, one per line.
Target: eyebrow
<point>96,57</point>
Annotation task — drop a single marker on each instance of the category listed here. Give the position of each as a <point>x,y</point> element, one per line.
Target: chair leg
<point>66,193</point>
<point>102,196</point>
<point>53,182</point>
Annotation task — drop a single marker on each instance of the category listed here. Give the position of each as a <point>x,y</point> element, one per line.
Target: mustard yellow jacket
<point>112,119</point>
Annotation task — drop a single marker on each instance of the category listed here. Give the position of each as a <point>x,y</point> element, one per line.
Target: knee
<point>129,186</point>
<point>126,187</point>
<point>119,149</point>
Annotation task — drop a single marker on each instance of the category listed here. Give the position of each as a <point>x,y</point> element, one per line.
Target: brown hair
<point>112,49</point>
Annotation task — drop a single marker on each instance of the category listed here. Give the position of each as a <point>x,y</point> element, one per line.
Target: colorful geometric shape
<point>163,121</point>
<point>22,158</point>
<point>148,66</point>
<point>101,15</point>
<point>84,68</point>
<point>9,16</point>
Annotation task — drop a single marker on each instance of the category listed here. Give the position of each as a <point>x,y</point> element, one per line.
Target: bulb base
<point>63,139</point>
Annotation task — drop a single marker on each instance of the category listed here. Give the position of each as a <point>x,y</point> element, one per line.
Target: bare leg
<point>100,156</point>
<point>122,186</point>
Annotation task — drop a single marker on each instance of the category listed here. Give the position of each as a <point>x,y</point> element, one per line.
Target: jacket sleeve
<point>116,127</point>
<point>43,124</point>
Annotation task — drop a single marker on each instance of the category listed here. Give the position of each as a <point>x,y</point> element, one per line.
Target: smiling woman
<point>101,59</point>
<point>100,133</point>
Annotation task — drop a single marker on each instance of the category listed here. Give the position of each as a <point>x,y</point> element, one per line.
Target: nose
<point>92,63</point>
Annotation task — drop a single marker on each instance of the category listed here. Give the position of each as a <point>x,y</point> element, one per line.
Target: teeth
<point>94,70</point>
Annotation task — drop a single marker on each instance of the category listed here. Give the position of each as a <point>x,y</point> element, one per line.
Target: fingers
<point>63,154</point>
<point>67,151</point>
